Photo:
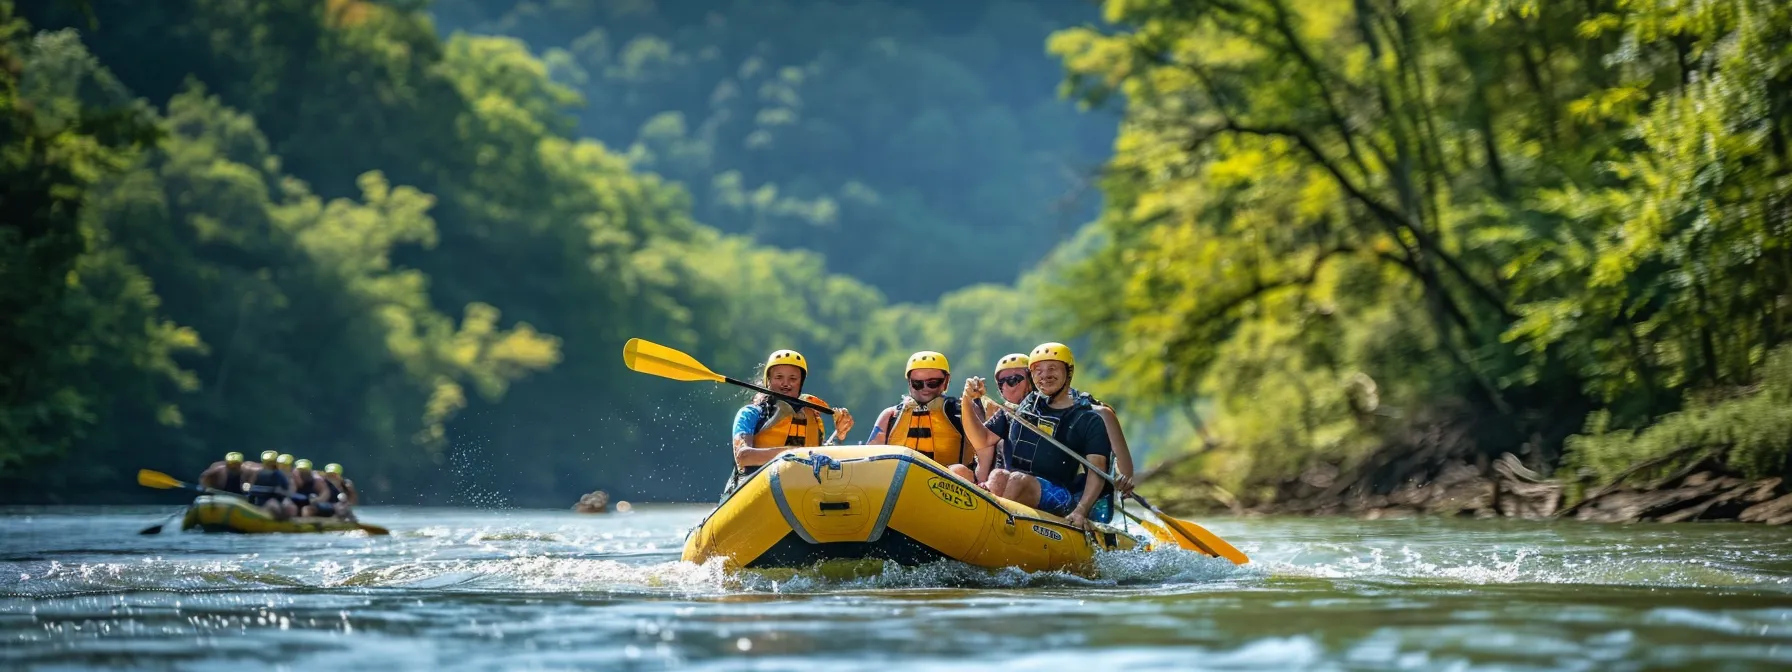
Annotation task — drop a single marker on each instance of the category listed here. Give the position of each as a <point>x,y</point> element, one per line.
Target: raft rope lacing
<point>816,462</point>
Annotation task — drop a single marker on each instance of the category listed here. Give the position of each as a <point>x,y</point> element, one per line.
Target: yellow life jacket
<point>789,428</point>
<point>932,430</point>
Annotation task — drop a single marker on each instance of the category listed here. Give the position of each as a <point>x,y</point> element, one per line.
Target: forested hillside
<point>1371,242</point>
<point>323,229</point>
<point>904,141</point>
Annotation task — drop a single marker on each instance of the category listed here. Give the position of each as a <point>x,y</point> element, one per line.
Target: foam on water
<point>503,590</point>
<point>621,556</point>
<point>550,574</point>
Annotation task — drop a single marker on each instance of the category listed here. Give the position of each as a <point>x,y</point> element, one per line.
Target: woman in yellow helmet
<point>927,419</point>
<point>1014,383</point>
<point>769,426</point>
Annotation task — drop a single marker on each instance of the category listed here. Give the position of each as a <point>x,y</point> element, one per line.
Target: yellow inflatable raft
<point>234,514</point>
<point>888,502</point>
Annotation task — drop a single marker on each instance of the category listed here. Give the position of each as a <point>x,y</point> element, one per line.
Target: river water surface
<point>470,589</point>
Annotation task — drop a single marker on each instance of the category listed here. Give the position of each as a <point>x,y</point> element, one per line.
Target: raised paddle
<point>1188,535</point>
<point>651,358</point>
<point>161,481</point>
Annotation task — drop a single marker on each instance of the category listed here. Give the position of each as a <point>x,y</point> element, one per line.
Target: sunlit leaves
<point>1598,178</point>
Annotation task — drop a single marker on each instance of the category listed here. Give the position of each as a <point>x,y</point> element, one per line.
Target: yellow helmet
<point>233,457</point>
<point>302,464</point>
<point>790,357</point>
<point>269,456</point>
<point>927,359</point>
<point>1013,361</point>
<point>285,458</point>
<point>1052,352</point>
<point>333,468</point>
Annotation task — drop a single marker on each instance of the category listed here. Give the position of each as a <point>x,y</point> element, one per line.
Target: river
<point>473,589</point>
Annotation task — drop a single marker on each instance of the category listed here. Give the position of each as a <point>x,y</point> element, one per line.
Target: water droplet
<point>743,644</point>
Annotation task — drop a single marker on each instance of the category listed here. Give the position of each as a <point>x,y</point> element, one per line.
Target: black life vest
<point>1023,445</point>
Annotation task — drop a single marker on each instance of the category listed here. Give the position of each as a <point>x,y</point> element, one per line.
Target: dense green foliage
<point>323,229</point>
<point>895,138</point>
<point>78,323</point>
<point>413,239</point>
<point>1751,431</point>
<point>1343,221</point>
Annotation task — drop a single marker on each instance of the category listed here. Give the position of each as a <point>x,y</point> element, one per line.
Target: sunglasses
<point>1011,381</point>
<point>930,383</point>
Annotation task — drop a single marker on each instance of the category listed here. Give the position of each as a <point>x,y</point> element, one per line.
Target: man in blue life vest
<point>272,489</point>
<point>1036,473</point>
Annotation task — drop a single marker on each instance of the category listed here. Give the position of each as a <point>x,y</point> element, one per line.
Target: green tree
<point>1373,214</point>
<point>79,331</point>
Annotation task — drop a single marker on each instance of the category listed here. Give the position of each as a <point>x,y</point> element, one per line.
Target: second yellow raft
<point>235,514</point>
<point>888,502</point>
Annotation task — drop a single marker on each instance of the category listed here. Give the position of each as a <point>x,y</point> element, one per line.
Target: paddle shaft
<point>793,400</point>
<point>214,491</point>
<point>1014,415</point>
<point>668,362</point>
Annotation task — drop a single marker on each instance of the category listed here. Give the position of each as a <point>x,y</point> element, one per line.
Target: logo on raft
<point>951,493</point>
<point>1048,533</point>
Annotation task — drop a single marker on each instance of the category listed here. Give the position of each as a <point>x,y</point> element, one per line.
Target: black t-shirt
<point>1025,451</point>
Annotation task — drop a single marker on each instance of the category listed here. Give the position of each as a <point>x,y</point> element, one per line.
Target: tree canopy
<point>412,239</point>
<point>1345,220</point>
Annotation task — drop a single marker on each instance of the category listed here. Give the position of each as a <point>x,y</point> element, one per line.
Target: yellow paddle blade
<point>1202,540</point>
<point>1159,533</point>
<point>374,530</point>
<point>156,479</point>
<point>654,359</point>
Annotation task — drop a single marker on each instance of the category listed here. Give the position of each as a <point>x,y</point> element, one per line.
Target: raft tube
<point>235,514</point>
<point>888,502</point>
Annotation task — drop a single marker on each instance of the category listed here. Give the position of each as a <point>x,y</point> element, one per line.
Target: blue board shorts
<point>1053,498</point>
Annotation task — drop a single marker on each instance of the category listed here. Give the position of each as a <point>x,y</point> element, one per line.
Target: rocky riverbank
<point>1702,490</point>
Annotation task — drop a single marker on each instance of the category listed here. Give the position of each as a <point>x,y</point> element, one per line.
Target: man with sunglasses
<point>1036,473</point>
<point>927,420</point>
<point>1014,383</point>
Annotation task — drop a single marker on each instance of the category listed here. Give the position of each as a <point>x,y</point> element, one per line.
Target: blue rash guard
<point>748,421</point>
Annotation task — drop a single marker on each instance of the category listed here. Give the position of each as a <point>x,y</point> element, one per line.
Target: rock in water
<point>596,501</point>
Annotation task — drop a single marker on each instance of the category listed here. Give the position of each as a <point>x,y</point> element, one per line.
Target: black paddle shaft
<point>793,400</point>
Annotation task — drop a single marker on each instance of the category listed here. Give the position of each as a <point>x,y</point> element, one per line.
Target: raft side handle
<point>893,493</point>
<point>790,518</point>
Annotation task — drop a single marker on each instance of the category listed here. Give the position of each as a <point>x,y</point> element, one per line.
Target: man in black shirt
<point>1036,473</point>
